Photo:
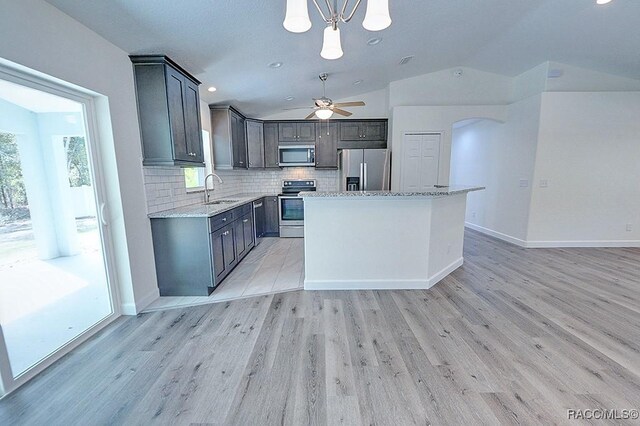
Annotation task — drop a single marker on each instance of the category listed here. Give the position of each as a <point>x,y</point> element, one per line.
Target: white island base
<point>391,241</point>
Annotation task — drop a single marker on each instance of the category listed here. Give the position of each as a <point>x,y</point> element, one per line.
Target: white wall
<point>433,119</point>
<point>377,106</point>
<point>56,45</point>
<point>498,156</point>
<point>589,153</point>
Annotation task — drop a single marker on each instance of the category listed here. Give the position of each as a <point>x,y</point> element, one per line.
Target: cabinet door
<point>193,128</point>
<point>327,146</point>
<point>218,254</point>
<point>238,141</point>
<point>373,130</point>
<point>175,100</point>
<point>271,145</point>
<point>249,232</point>
<point>350,131</point>
<point>255,144</point>
<point>271,225</point>
<point>229,248</point>
<point>239,239</point>
<point>287,132</point>
<point>307,132</point>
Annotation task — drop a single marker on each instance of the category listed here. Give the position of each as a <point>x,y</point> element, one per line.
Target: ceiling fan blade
<point>291,109</point>
<point>310,116</point>
<point>341,112</point>
<point>349,104</point>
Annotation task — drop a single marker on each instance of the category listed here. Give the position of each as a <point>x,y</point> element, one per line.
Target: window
<point>194,176</point>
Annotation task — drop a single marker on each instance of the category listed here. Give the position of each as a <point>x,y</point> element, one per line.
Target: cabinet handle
<point>224,219</point>
<point>240,162</point>
<point>245,221</point>
<point>225,233</point>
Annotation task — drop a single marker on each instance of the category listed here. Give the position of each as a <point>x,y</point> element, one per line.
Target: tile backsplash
<point>165,186</point>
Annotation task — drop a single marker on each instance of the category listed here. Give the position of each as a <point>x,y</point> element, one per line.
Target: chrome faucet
<point>207,194</point>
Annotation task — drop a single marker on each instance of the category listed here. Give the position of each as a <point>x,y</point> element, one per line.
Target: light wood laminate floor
<point>276,265</point>
<point>514,336</point>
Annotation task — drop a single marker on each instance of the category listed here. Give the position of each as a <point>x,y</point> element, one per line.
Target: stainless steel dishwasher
<point>258,219</point>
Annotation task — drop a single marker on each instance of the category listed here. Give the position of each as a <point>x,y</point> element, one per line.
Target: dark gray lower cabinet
<point>194,255</point>
<point>223,253</point>
<point>271,215</point>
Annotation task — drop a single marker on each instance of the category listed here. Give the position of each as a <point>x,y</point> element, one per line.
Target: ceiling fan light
<point>377,17</point>
<point>331,46</point>
<point>324,113</point>
<point>296,18</point>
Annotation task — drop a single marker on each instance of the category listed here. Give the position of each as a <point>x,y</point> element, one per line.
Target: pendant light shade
<point>377,17</point>
<point>324,113</point>
<point>296,18</point>
<point>331,47</point>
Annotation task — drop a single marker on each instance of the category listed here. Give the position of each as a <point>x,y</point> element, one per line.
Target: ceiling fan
<point>324,107</point>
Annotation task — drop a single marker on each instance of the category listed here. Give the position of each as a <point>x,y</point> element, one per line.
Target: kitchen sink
<point>221,202</point>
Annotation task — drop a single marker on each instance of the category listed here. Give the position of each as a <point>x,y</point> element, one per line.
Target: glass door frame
<point>33,79</point>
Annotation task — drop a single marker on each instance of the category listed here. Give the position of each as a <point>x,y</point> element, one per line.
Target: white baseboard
<point>389,284</point>
<point>140,304</point>
<point>552,244</point>
<point>613,243</point>
<point>440,275</point>
<point>496,234</point>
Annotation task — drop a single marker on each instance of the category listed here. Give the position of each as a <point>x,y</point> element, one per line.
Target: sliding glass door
<point>55,285</point>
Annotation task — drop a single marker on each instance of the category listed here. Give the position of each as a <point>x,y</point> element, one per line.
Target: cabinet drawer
<point>220,220</point>
<point>244,209</point>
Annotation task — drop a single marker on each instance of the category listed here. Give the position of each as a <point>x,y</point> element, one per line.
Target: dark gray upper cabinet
<point>255,144</point>
<point>362,134</point>
<point>297,132</point>
<point>327,145</point>
<point>229,138</point>
<point>271,226</point>
<point>168,112</point>
<point>271,145</point>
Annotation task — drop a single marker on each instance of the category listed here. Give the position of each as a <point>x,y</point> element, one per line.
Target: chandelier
<point>297,20</point>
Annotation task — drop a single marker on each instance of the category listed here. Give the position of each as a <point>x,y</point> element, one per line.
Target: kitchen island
<point>381,239</point>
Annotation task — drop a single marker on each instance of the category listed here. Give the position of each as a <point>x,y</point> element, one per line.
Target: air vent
<point>406,60</point>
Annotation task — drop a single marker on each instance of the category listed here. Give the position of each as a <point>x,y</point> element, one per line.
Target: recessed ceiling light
<point>275,64</point>
<point>406,60</point>
<point>212,89</point>
<point>289,98</point>
<point>355,83</point>
<point>374,41</point>
<point>603,1</point>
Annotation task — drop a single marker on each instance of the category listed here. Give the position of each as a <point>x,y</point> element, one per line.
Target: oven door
<point>291,210</point>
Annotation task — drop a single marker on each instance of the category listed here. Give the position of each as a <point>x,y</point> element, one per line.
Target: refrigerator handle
<point>365,177</point>
<point>361,176</point>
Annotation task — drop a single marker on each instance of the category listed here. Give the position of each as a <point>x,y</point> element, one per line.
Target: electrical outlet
<point>473,215</point>
<point>544,183</point>
<point>524,183</point>
<point>629,227</point>
<point>448,248</point>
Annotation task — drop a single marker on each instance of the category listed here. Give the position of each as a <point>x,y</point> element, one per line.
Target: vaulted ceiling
<point>230,43</point>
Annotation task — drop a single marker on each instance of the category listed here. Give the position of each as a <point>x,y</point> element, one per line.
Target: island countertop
<point>437,191</point>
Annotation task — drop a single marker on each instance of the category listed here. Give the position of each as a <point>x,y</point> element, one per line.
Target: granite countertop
<point>438,191</point>
<point>208,210</point>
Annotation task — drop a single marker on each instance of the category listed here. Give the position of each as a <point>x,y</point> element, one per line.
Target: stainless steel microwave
<point>296,155</point>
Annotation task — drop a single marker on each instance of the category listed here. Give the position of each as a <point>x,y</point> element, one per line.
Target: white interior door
<point>420,161</point>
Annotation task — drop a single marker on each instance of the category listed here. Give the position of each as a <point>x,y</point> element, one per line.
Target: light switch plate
<point>544,183</point>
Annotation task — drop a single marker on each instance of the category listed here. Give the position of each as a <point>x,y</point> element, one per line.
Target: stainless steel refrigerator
<point>365,169</point>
